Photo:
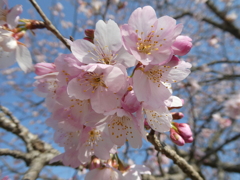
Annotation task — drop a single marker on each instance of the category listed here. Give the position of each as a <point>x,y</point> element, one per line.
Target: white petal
<point>159,120</point>
<point>7,58</point>
<point>23,58</point>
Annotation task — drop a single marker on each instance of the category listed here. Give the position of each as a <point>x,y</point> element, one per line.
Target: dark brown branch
<point>48,24</point>
<point>188,169</point>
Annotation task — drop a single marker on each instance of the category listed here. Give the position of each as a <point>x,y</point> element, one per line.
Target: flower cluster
<point>11,50</point>
<point>96,107</point>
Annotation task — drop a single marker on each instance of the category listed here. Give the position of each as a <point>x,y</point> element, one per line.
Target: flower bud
<point>89,33</point>
<point>182,45</point>
<point>44,68</point>
<point>176,138</point>
<point>177,115</point>
<point>130,102</point>
<point>88,39</point>
<point>189,140</point>
<point>184,130</point>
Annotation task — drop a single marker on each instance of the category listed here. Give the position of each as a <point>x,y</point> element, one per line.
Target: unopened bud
<point>44,68</point>
<point>176,138</point>
<point>177,115</point>
<point>183,129</point>
<point>35,24</point>
<point>121,5</point>
<point>89,33</point>
<point>182,45</point>
<point>189,140</point>
<point>88,39</point>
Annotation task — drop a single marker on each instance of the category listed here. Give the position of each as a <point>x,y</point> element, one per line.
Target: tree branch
<point>16,154</point>
<point>49,25</point>
<point>188,169</point>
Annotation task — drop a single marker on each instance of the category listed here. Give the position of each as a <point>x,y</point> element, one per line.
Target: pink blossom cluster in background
<point>97,106</point>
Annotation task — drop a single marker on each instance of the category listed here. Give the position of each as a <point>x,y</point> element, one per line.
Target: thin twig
<point>48,24</point>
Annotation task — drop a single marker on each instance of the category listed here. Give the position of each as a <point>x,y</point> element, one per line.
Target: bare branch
<point>49,25</point>
<point>16,154</point>
<point>34,169</point>
<point>188,169</point>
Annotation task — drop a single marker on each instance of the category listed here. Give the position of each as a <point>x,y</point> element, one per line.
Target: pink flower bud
<point>189,140</point>
<point>89,33</point>
<point>184,130</point>
<point>44,68</point>
<point>130,102</point>
<point>88,39</point>
<point>177,115</point>
<point>176,138</point>
<point>182,45</point>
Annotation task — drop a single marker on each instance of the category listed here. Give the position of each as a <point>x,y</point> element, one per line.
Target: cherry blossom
<point>123,126</point>
<point>149,39</point>
<point>95,141</point>
<point>151,83</point>
<point>97,82</point>
<point>12,51</point>
<point>9,17</point>
<point>107,47</point>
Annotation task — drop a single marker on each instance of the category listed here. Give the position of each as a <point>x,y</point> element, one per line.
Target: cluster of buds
<point>181,133</point>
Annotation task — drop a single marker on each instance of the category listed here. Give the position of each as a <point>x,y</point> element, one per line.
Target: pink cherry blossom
<point>107,47</point>
<point>97,82</point>
<point>94,141</point>
<point>68,67</point>
<point>68,158</point>
<point>159,119</point>
<point>152,83</point>
<point>149,39</point>
<point>123,126</point>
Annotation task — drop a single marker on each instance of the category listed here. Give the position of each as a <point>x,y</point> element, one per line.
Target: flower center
<point>93,137</point>
<point>92,81</point>
<point>148,44</point>
<point>102,54</point>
